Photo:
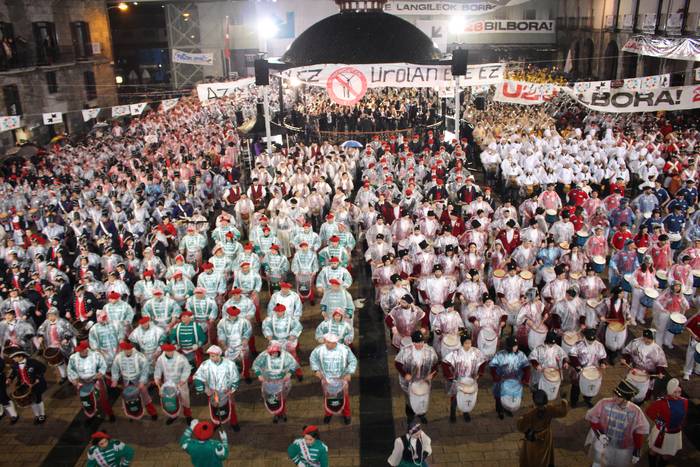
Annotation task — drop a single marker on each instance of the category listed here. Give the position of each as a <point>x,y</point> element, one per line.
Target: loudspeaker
<point>480,103</point>
<point>262,72</point>
<point>459,62</point>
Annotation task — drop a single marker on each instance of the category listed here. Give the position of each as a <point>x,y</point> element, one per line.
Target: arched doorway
<point>586,66</point>
<point>629,65</point>
<point>609,61</point>
<point>575,53</point>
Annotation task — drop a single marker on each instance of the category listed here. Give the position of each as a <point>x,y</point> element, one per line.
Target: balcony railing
<point>25,57</point>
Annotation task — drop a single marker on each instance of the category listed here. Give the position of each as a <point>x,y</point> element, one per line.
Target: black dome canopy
<point>356,37</point>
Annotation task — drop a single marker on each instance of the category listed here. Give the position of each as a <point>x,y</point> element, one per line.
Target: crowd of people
<point>148,266</point>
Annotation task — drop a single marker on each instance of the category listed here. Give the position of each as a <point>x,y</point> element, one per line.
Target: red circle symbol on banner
<point>346,85</point>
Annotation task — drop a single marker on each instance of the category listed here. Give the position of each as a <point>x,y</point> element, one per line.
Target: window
<point>12,103</point>
<point>530,14</point>
<point>80,33</point>
<point>51,82</point>
<point>46,42</point>
<point>90,87</point>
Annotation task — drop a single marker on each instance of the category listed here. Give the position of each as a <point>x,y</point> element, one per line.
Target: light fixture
<point>186,14</point>
<point>456,25</point>
<point>135,3</point>
<point>192,36</point>
<point>123,6</point>
<point>119,79</point>
<point>267,28</point>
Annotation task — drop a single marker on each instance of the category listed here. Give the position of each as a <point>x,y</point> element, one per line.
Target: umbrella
<point>351,143</point>
<point>57,138</point>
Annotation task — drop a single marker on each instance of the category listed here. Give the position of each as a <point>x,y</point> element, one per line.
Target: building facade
<point>56,57</point>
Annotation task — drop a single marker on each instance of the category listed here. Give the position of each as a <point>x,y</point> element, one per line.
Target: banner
<point>90,114</point>
<point>120,110</point>
<point>192,58</point>
<point>137,109</point>
<point>208,91</point>
<point>52,118</point>
<point>521,92</point>
<point>397,75</point>
<point>665,47</point>
<point>493,26</point>
<point>647,83</point>
<point>168,104</point>
<point>464,8</point>
<point>9,123</point>
<point>624,101</point>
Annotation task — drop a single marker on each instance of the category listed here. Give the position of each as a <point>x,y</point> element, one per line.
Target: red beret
<point>114,295</point>
<point>335,238</point>
<point>148,273</point>
<point>82,345</point>
<point>335,260</point>
<point>236,291</point>
<point>186,313</point>
<point>100,435</point>
<point>144,320</point>
<point>203,431</point>
<point>334,281</point>
<point>207,266</point>
<point>126,345</point>
<point>285,285</point>
<point>233,311</point>
<point>280,307</point>
<point>310,429</point>
<point>167,348</point>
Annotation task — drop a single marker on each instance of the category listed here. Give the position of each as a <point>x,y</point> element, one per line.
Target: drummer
<point>587,352</point>
<point>172,368</point>
<point>58,333</point>
<point>275,363</point>
<point>465,362</point>
<point>692,354</point>
<point>643,278</point>
<point>670,301</point>
<point>28,372</point>
<point>132,367</point>
<point>614,309</point>
<point>531,316</point>
<point>8,405</point>
<point>617,428</point>
<point>509,363</point>
<point>403,319</point>
<point>415,362</point>
<point>221,375</point>
<point>546,356</point>
<point>89,366</point>
<point>16,332</point>
<point>646,355</point>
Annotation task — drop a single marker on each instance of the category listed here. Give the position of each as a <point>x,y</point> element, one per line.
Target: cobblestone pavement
<point>485,441</point>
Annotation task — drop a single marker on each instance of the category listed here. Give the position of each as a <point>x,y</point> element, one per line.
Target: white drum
<point>569,340</point>
<point>536,336</point>
<point>467,390</point>
<point>590,381</point>
<point>550,380</point>
<point>406,341</point>
<point>615,336</point>
<point>548,274</point>
<point>640,380</point>
<point>435,311</point>
<point>450,343</point>
<point>419,396</point>
<point>511,394</point>
<point>487,342</point>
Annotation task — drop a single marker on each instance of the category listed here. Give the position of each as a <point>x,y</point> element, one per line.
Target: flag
<point>136,109</point>
<point>9,123</point>
<point>89,114</point>
<point>52,117</point>
<point>120,110</point>
<point>632,84</point>
<point>168,104</point>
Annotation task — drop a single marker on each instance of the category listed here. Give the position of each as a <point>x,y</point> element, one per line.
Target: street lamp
<point>122,6</point>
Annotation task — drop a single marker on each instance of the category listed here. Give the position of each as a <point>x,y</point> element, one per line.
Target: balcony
<point>609,23</point>
<point>646,23</point>
<point>572,23</point>
<point>586,22</point>
<point>26,58</point>
<point>627,23</point>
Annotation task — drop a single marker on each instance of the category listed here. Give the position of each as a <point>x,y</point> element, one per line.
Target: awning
<point>680,48</point>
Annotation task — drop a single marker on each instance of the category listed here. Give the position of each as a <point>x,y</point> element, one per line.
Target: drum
<point>132,403</point>
<point>662,278</point>
<point>627,283</point>
<point>511,394</point>
<point>273,395</point>
<point>304,285</point>
<point>641,252</point>
<point>88,398</point>
<point>467,390</point>
<point>419,396</point>
<point>676,241</point>
<point>649,297</point>
<point>526,275</point>
<point>53,356</point>
<point>696,278</point>
<point>615,336</point>
<point>569,340</point>
<point>575,276</point>
<point>582,237</point>
<point>487,342</point>
<point>598,264</point>
<point>170,400</point>
<point>564,246</point>
<point>640,380</point>
<point>536,336</point>
<point>550,380</point>
<point>590,381</point>
<point>219,407</point>
<point>450,343</point>
<point>551,216</point>
<point>676,323</point>
<point>22,395</point>
<point>334,394</point>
